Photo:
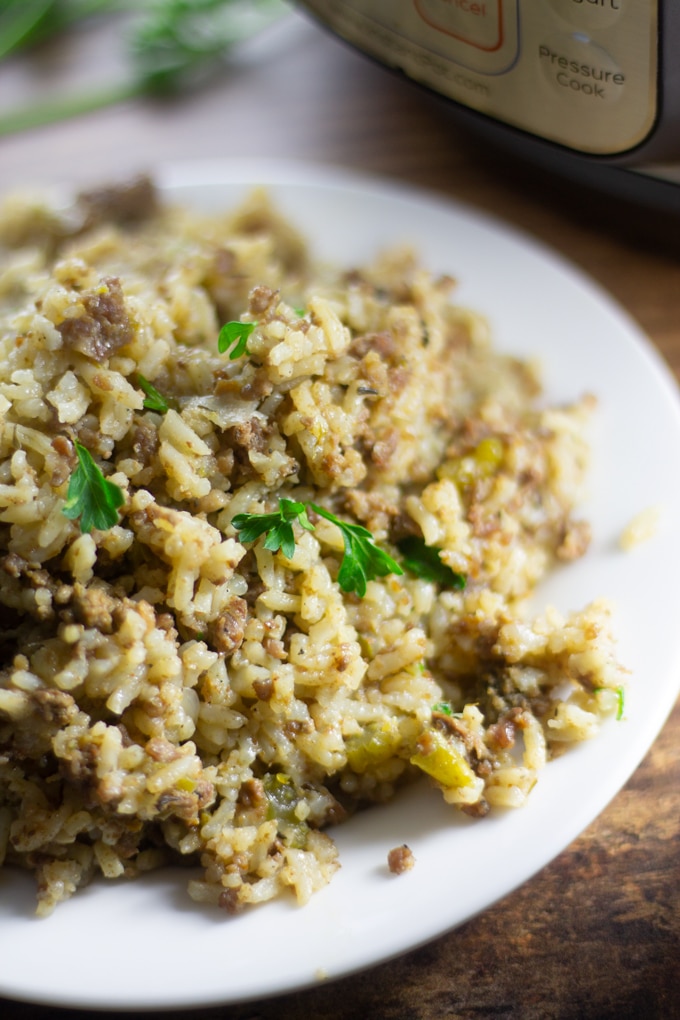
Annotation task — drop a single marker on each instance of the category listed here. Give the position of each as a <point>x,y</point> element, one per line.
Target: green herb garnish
<point>363,560</point>
<point>442,708</point>
<point>424,561</point>
<point>27,23</point>
<point>277,526</point>
<point>154,401</point>
<point>171,45</point>
<point>235,335</point>
<point>90,496</point>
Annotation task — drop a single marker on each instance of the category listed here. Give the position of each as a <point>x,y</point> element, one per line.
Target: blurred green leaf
<point>173,45</point>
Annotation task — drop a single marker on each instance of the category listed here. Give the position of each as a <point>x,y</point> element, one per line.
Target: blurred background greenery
<point>163,47</point>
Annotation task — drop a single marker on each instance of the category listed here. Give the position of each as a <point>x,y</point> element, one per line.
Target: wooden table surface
<point>597,933</point>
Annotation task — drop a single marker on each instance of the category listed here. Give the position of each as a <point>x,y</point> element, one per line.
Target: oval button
<point>590,14</point>
<point>477,23</point>
<point>579,69</point>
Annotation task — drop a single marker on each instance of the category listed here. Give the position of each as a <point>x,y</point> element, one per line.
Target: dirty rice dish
<point>172,689</point>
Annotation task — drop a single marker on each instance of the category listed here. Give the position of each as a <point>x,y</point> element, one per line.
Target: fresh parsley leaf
<point>443,708</point>
<point>363,560</point>
<point>235,335</point>
<point>171,45</point>
<point>154,401</point>
<point>277,526</point>
<point>90,496</point>
<point>424,561</point>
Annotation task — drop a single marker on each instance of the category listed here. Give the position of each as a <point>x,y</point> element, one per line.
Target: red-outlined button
<point>460,18</point>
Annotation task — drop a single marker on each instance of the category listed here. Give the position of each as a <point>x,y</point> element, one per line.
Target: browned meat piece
<point>57,707</point>
<point>382,451</point>
<point>224,264</point>
<point>228,629</point>
<point>262,299</point>
<point>502,733</point>
<point>104,328</point>
<point>402,526</point>
<point>13,565</point>
<point>479,809</point>
<point>230,902</point>
<point>295,726</point>
<point>94,607</point>
<point>186,804</point>
<point>145,441</point>
<point>251,794</point>
<point>20,587</point>
<point>263,689</point>
<point>252,435</point>
<point>166,622</point>
<point>383,343</point>
<point>162,750</point>
<point>274,647</point>
<point>400,859</point>
<point>127,203</point>
<point>575,541</point>
<point>62,462</point>
<point>336,814</point>
<point>226,285</point>
<point>78,765</point>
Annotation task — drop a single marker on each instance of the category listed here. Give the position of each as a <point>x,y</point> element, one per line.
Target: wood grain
<point>596,935</point>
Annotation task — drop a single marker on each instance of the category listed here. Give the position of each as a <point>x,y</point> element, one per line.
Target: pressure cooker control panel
<point>579,72</point>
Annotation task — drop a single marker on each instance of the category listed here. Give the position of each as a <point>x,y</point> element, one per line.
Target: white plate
<point>145,944</point>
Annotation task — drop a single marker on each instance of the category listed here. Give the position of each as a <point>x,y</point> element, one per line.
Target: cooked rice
<point>169,693</point>
<point>643,527</point>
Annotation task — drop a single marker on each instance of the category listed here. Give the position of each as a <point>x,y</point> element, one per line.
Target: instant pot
<point>589,88</point>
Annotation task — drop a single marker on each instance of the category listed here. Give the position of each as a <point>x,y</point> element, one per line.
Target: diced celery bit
<point>375,744</point>
<point>441,759</point>
<point>186,785</point>
<point>281,797</point>
<point>482,462</point>
<point>489,455</point>
<point>282,800</point>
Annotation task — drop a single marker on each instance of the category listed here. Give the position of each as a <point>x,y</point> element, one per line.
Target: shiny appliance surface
<point>576,84</point>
